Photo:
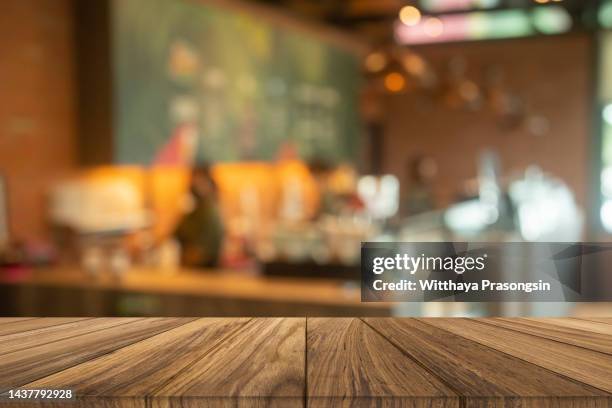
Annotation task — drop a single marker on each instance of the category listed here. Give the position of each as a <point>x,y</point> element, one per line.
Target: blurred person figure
<point>200,232</point>
<point>417,197</point>
<point>321,171</point>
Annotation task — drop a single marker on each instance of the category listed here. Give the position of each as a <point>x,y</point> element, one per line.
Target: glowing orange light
<point>394,82</point>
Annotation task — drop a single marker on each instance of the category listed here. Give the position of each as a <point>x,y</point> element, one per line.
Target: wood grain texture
<point>139,369</point>
<point>81,402</point>
<point>24,366</point>
<point>578,324</point>
<point>262,364</point>
<point>6,320</point>
<point>587,366</point>
<point>315,362</point>
<point>49,334</point>
<point>538,402</point>
<point>12,326</point>
<point>226,402</point>
<point>581,338</point>
<point>605,320</point>
<point>473,370</point>
<point>349,364</point>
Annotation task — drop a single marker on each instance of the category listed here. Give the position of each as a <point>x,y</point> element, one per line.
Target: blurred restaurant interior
<point>228,157</point>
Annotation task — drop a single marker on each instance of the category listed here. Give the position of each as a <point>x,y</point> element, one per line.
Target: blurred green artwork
<point>246,86</point>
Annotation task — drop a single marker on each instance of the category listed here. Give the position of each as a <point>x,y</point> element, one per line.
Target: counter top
<point>217,283</point>
<point>195,362</point>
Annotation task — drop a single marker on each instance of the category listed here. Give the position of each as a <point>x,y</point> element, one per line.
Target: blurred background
<point>227,158</point>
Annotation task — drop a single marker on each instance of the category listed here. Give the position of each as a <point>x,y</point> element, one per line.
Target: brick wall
<point>37,110</point>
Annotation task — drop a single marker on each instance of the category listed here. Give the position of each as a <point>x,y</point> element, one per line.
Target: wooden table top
<point>318,362</point>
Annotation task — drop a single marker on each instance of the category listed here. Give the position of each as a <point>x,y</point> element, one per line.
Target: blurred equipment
<point>488,210</point>
<point>330,247</point>
<point>100,213</point>
<point>534,207</point>
<point>417,197</point>
<point>546,209</point>
<point>99,206</point>
<point>380,194</point>
<point>329,244</point>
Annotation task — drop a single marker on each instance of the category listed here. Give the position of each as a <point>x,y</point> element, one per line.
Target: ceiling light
<point>410,15</point>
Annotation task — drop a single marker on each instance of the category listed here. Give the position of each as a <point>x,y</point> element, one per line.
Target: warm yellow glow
<point>414,64</point>
<point>394,82</point>
<point>410,15</point>
<point>166,188</point>
<point>161,190</point>
<point>433,27</point>
<point>246,189</point>
<point>375,62</point>
<point>541,1</point>
<point>255,189</point>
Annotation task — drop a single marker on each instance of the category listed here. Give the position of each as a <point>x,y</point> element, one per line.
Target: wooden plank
<point>589,367</point>
<point>79,403</point>
<point>26,324</point>
<point>24,366</point>
<point>36,337</point>
<point>257,403</point>
<point>260,364</point>
<point>226,402</point>
<point>473,370</point>
<point>581,338</point>
<point>604,320</point>
<point>350,364</point>
<point>218,362</point>
<point>139,369</point>
<point>578,324</point>
<point>538,402</point>
<point>5,320</point>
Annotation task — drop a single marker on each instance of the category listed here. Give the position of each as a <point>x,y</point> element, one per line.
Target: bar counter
<point>149,292</point>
